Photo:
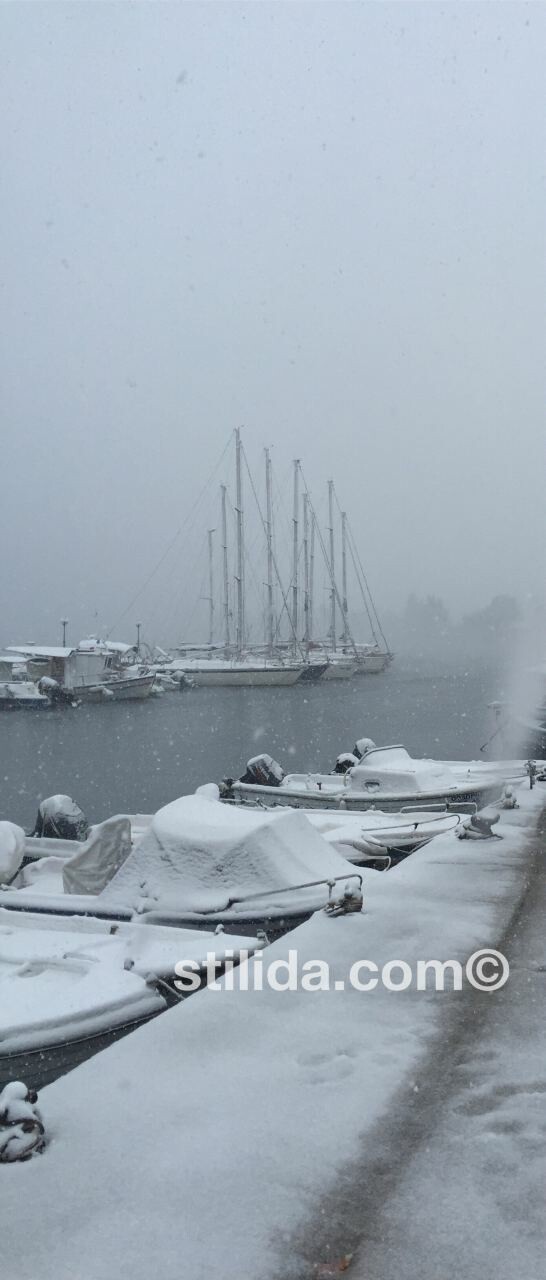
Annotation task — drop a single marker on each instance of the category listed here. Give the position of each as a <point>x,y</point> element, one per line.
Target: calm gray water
<point>135,757</point>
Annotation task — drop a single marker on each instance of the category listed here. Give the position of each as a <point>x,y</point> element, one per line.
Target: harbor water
<point>135,757</point>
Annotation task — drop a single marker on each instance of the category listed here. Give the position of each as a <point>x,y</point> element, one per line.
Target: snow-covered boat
<point>197,864</point>
<point>70,986</point>
<point>91,673</point>
<point>16,690</point>
<point>385,778</point>
<point>380,839</point>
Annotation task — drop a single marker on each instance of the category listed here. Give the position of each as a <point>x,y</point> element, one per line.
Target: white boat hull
<point>244,677</point>
<point>373,663</point>
<point>122,690</point>
<point>359,801</point>
<point>19,694</point>
<point>339,671</point>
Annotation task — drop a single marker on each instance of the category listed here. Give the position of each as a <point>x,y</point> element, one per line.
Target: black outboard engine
<point>60,818</point>
<point>345,762</point>
<point>362,747</point>
<point>263,771</point>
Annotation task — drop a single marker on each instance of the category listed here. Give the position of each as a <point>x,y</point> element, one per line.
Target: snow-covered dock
<point>203,1144</point>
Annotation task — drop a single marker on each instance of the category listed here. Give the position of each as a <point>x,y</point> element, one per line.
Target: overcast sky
<point>322,222</point>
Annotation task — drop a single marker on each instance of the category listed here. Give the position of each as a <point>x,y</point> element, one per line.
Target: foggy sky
<point>323,223</point>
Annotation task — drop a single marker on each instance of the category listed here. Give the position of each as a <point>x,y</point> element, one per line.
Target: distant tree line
<point>425,628</point>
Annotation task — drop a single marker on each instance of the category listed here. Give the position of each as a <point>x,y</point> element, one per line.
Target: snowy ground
<point>473,1187</point>
<point>206,1144</point>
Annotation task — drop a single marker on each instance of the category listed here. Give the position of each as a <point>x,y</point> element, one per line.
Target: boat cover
<point>198,854</point>
<point>104,852</point>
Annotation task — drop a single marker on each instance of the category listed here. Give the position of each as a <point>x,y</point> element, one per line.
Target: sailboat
<point>234,664</point>
<point>343,656</point>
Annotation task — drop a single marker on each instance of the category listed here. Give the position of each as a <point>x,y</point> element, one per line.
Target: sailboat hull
<point>244,677</point>
<point>339,671</point>
<point>373,663</point>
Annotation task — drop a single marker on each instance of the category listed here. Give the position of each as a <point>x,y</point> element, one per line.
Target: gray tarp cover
<point>104,852</point>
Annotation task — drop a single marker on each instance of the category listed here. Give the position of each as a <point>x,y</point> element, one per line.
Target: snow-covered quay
<point>225,1140</point>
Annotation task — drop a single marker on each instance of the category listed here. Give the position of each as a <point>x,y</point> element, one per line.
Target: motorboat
<point>386,778</point>
<point>16,690</point>
<point>381,839</point>
<point>195,864</point>
<point>71,986</point>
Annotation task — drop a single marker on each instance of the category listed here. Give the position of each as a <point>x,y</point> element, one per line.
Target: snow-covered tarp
<point>102,854</point>
<point>199,855</point>
<point>199,1146</point>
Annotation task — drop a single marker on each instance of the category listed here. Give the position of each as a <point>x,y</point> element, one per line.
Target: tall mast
<point>332,566</point>
<point>227,640</point>
<point>311,574</point>
<point>211,588</point>
<point>306,632</point>
<point>344,604</point>
<point>295,559</point>
<point>269,536</point>
<point>240,562</point>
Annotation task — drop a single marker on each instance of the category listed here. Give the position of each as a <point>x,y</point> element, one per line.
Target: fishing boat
<point>88,673</point>
<point>385,777</point>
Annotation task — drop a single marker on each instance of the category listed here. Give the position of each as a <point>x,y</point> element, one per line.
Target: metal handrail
<point>309,884</point>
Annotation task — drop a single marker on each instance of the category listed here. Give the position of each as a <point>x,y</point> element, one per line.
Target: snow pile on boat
<point>66,978</point>
<point>397,771</point>
<point>12,850</point>
<point>199,855</point>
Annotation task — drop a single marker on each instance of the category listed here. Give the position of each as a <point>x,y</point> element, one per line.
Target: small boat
<point>381,839</point>
<point>385,777</point>
<point>71,986</point>
<point>196,864</point>
<point>16,690</point>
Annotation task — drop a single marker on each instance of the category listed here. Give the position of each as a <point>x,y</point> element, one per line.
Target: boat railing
<point>291,888</point>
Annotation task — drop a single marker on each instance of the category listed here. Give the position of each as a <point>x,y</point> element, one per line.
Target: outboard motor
<point>362,747</point>
<point>263,771</point>
<point>345,762</point>
<point>60,818</point>
<point>54,691</point>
